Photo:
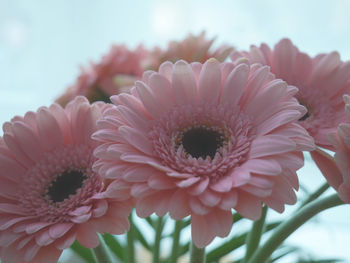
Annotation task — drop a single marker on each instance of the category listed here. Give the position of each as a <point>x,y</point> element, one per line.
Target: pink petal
<point>31,252</point>
<point>156,202</point>
<point>255,83</point>
<point>162,90</point>
<point>344,193</point>
<point>248,206</point>
<point>133,118</point>
<point>139,173</point>
<point>198,207</point>
<point>284,59</point>
<point>28,140</point>
<point>270,145</point>
<point>66,241</point>
<point>49,254</point>
<point>136,139</point>
<point>224,184</point>
<point>184,83</point>
<point>166,69</point>
<point>234,85</point>
<point>12,144</point>
<point>81,218</point>
<point>60,229</point>
<point>12,209</point>
<point>178,205</point>
<point>148,99</point>
<point>200,187</point>
<point>210,81</point>
<point>80,210</point>
<point>201,231</point>
<point>210,198</point>
<point>263,166</point>
<point>228,200</point>
<point>187,182</point>
<point>11,169</point>
<point>43,239</point>
<point>328,167</point>
<point>62,120</point>
<point>160,182</point>
<point>100,208</point>
<point>87,236</point>
<point>220,222</point>
<point>326,65</point>
<point>49,131</point>
<point>277,120</point>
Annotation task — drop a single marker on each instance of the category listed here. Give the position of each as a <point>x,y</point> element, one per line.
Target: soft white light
<point>14,33</point>
<point>167,19</point>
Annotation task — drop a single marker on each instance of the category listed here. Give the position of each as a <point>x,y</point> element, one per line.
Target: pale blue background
<point>43,42</point>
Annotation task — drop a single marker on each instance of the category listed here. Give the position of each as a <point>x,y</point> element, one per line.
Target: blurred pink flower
<point>200,140</point>
<point>337,170</point>
<point>321,81</point>
<point>49,194</point>
<point>194,48</point>
<point>115,73</point>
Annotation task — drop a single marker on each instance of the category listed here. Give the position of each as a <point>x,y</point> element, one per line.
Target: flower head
<point>194,48</point>
<point>321,81</point>
<point>200,140</point>
<point>49,194</point>
<point>115,73</point>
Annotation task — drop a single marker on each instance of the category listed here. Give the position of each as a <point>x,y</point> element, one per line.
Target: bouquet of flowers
<point>203,136</point>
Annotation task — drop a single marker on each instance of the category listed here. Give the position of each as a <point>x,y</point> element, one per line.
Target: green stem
<point>176,239</point>
<point>323,188</point>
<point>293,223</point>
<point>254,236</point>
<point>101,253</point>
<point>130,240</point>
<point>197,254</point>
<point>158,237</point>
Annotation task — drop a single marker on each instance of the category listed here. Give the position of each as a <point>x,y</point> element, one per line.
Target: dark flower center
<point>202,142</point>
<point>65,185</point>
<point>306,115</point>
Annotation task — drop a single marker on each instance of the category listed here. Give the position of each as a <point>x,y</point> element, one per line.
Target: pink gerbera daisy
<point>194,48</point>
<point>337,169</point>
<point>321,81</point>
<point>49,194</point>
<point>115,73</point>
<point>198,140</point>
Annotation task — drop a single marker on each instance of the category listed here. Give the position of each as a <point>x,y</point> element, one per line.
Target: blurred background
<point>43,43</point>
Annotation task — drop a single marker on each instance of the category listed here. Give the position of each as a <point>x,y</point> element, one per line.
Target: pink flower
<point>200,140</point>
<point>337,170</point>
<point>115,73</point>
<point>321,81</point>
<point>194,48</point>
<point>49,194</point>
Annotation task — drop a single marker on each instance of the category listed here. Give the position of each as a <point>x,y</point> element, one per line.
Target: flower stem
<point>197,254</point>
<point>323,188</point>
<point>101,253</point>
<point>156,247</point>
<point>130,240</point>
<point>294,222</point>
<point>176,239</point>
<point>254,236</point>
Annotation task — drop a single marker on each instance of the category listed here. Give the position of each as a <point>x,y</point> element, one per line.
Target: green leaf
<point>184,249</point>
<point>114,246</point>
<point>141,238</point>
<point>334,260</point>
<point>284,251</point>
<point>149,220</point>
<point>83,252</point>
<point>232,244</point>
